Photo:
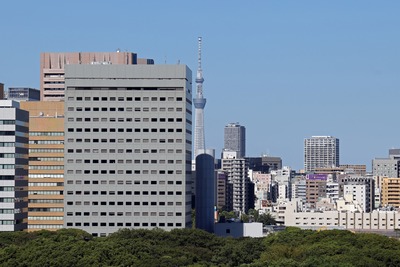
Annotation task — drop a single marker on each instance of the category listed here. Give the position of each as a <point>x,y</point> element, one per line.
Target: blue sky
<point>286,70</point>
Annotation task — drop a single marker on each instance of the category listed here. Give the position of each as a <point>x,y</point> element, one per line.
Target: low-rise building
<point>346,216</point>
<point>238,229</point>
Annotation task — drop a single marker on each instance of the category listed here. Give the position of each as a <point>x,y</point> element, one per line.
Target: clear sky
<point>286,70</point>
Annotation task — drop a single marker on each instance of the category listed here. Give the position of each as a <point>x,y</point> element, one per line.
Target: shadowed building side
<point>205,194</point>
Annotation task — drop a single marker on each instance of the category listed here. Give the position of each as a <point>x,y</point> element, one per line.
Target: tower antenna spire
<point>199,103</point>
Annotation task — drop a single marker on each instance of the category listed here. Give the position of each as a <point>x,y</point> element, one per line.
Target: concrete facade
<point>321,152</point>
<point>390,192</point>
<point>14,125</point>
<point>52,68</point>
<point>46,164</point>
<point>237,229</point>
<point>205,192</point>
<point>385,167</point>
<point>128,147</point>
<point>376,220</point>
<point>361,188</point>
<point>235,139</point>
<point>23,94</point>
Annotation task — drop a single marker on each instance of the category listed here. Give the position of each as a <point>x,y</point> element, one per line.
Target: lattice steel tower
<point>199,104</point>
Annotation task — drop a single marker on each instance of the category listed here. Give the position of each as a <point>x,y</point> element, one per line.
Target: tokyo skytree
<point>199,104</point>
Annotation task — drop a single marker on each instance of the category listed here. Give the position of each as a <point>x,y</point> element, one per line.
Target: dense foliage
<point>189,247</point>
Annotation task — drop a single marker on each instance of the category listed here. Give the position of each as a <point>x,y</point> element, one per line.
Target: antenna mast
<point>199,77</point>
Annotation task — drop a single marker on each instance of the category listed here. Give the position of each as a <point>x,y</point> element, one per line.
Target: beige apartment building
<point>46,165</point>
<point>52,68</point>
<point>343,168</point>
<point>390,193</point>
<point>315,189</point>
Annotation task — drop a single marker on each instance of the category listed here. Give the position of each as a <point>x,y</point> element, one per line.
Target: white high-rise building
<point>321,152</point>
<point>14,130</point>
<point>128,147</point>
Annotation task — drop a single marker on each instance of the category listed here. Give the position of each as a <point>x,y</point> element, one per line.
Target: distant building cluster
<point>106,143</point>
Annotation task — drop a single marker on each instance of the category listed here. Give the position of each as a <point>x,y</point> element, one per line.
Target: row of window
<point>46,159</point>
<point>7,222</point>
<point>12,155</point>
<point>128,213</point>
<point>346,219</point>
<point>6,211</point>
<point>3,133</point>
<point>7,144</point>
<point>88,98</point>
<point>45,226</point>
<point>11,177</point>
<point>6,188</point>
<point>45,175</point>
<point>45,184</point>
<point>121,140</point>
<point>46,150</point>
<point>128,130</point>
<point>145,193</point>
<point>121,203</point>
<point>46,209</point>
<point>46,133</point>
<point>45,192</point>
<point>52,201</point>
<point>121,182</point>
<point>128,119</point>
<point>48,167</point>
<point>108,171</point>
<point>343,224</point>
<point>7,122</point>
<point>46,218</point>
<point>105,151</point>
<point>52,95</point>
<point>120,224</point>
<point>121,161</point>
<point>7,200</point>
<point>7,166</point>
<point>46,142</point>
<point>122,109</point>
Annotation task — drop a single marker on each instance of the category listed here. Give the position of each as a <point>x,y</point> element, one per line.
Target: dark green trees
<point>190,247</point>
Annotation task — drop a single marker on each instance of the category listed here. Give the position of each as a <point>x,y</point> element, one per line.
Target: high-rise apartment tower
<point>321,152</point>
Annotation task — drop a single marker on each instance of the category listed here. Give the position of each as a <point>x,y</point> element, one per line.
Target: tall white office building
<point>235,139</point>
<point>128,147</point>
<point>321,152</point>
<point>14,130</point>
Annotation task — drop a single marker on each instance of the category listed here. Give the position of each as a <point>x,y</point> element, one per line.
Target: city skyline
<point>285,70</point>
